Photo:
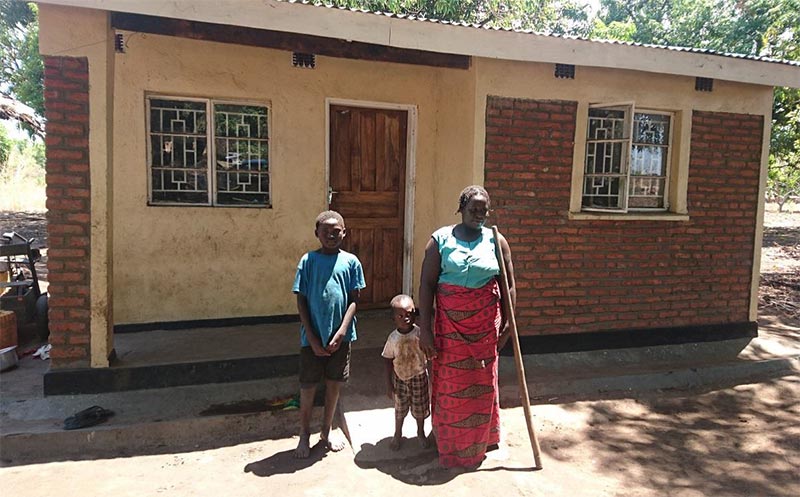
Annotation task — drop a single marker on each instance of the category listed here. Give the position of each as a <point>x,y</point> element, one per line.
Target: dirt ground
<point>741,441</point>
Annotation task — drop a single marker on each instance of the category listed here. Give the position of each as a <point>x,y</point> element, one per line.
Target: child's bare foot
<point>396,442</point>
<point>303,447</point>
<point>332,442</point>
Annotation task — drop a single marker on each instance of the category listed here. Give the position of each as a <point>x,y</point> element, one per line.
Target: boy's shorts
<point>335,367</point>
<point>412,393</point>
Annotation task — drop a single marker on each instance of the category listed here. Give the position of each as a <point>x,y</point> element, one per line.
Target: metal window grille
<point>627,159</point>
<point>565,71</point>
<point>184,133</point>
<point>605,168</point>
<point>703,84</point>
<point>307,60</point>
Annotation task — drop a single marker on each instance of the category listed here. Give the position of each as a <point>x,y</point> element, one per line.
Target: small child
<point>406,376</point>
<point>327,283</point>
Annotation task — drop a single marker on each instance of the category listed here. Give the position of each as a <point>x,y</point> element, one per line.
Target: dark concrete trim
<point>116,379</point>
<point>206,323</point>
<point>292,42</point>
<point>624,339</point>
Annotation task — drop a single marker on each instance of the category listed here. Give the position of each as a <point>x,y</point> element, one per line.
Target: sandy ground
<point>742,441</point>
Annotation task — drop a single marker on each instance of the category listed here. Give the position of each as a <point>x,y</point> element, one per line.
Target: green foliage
<point>547,16</point>
<point>614,30</point>
<point>5,145</point>
<point>783,182</point>
<point>756,27</point>
<point>21,67</point>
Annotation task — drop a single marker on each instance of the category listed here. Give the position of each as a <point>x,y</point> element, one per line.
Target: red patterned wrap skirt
<point>464,394</point>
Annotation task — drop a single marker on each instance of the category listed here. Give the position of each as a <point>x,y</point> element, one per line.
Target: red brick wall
<point>66,92</point>
<point>585,275</point>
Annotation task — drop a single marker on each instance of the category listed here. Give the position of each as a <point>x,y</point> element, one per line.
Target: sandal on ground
<point>88,417</point>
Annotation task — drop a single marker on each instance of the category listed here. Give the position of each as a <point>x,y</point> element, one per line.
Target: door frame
<point>411,149</point>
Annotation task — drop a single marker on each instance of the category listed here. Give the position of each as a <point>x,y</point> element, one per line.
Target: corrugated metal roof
<point>704,51</point>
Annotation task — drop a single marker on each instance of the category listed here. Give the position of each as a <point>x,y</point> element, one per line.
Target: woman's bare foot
<point>432,441</point>
<point>396,442</point>
<point>332,442</point>
<point>424,443</point>
<point>303,447</point>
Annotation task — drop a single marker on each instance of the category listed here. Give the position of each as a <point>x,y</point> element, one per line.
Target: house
<point>191,145</point>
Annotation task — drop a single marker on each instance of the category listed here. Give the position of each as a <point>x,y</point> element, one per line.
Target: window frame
<point>630,110</point>
<point>211,170</point>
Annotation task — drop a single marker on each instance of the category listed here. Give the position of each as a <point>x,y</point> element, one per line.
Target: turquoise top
<point>326,281</point>
<point>467,264</point>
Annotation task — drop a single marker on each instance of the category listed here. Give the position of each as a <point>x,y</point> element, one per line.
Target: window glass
<point>622,173</point>
<point>180,136</point>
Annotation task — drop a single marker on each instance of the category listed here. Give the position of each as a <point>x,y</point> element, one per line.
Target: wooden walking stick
<point>512,323</point>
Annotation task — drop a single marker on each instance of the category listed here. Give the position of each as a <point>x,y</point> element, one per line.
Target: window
<point>627,159</point>
<point>184,133</point>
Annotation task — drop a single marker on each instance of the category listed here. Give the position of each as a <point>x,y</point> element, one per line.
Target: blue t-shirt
<point>326,282</point>
<point>468,264</point>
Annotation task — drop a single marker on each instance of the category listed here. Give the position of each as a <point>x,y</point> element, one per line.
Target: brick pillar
<point>66,85</point>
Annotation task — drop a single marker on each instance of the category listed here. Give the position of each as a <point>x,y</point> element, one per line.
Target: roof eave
<point>447,38</point>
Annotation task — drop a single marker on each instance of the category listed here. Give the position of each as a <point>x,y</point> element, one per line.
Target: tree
<point>22,70</point>
<point>547,16</point>
<point>755,27</point>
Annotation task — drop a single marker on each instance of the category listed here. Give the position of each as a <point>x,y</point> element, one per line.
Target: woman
<point>460,269</point>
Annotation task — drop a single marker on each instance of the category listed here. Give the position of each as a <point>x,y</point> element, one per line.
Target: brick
<point>631,274</point>
<point>69,353</point>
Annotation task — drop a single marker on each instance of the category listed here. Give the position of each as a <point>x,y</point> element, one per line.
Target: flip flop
<point>88,417</point>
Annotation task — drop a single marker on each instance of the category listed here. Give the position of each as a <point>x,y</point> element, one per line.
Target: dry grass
<point>22,185</point>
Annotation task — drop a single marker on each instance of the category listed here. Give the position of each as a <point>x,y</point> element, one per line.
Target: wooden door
<point>367,182</point>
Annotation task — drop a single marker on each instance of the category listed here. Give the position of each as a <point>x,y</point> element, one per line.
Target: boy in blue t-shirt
<point>327,283</point>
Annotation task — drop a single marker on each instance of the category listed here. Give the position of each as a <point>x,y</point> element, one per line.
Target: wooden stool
<point>8,329</point>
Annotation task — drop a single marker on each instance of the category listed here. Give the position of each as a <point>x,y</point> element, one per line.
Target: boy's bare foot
<point>303,447</point>
<point>332,442</point>
<point>396,442</point>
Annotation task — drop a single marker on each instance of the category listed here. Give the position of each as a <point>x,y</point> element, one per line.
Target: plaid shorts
<point>412,393</point>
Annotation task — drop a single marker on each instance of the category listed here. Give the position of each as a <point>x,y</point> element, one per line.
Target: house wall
<point>583,274</point>
<point>78,49</point>
<point>188,263</point>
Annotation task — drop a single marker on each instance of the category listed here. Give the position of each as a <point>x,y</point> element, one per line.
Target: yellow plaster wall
<point>591,85</point>
<point>185,263</point>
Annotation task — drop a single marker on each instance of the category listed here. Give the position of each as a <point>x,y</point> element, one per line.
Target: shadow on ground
<point>285,462</point>
<point>415,466</point>
<point>743,441</point>
<point>778,236</point>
